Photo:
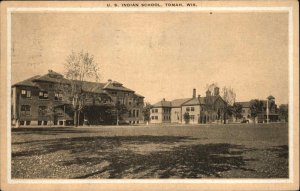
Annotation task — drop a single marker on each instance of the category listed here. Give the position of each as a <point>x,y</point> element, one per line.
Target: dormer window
<point>58,96</point>
<point>43,95</point>
<point>26,93</point>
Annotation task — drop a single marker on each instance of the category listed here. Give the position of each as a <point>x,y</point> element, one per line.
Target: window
<point>156,117</point>
<point>192,117</point>
<point>39,122</point>
<point>192,109</point>
<point>42,110</point>
<point>58,96</point>
<point>152,110</point>
<point>188,109</point>
<point>137,113</point>
<point>25,109</point>
<point>43,95</point>
<point>152,117</point>
<point>129,113</point>
<point>27,122</point>
<point>26,93</point>
<point>60,113</point>
<point>156,110</point>
<point>129,103</point>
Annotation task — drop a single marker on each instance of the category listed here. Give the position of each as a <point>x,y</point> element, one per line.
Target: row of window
<point>166,110</point>
<point>42,95</point>
<point>134,122</point>
<point>133,113</point>
<point>41,123</point>
<point>154,110</point>
<point>42,110</point>
<point>154,117</point>
<point>190,109</point>
<point>165,117</point>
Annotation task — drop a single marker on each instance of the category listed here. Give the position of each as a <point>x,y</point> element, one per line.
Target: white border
<point>152,10</point>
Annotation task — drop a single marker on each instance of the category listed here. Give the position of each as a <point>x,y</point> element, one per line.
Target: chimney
<point>163,99</point>
<point>208,93</point>
<point>109,80</point>
<point>194,93</point>
<point>216,91</point>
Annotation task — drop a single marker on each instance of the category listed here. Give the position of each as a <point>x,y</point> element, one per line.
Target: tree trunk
<point>78,120</point>
<point>75,118</point>
<point>224,118</point>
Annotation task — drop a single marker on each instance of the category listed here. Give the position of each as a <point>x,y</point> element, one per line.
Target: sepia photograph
<point>150,91</point>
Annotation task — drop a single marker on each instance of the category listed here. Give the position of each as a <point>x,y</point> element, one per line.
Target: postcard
<point>150,95</point>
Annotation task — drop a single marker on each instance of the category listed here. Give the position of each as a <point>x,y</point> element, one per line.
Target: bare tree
<point>256,108</point>
<point>211,87</point>
<point>228,96</point>
<point>80,67</point>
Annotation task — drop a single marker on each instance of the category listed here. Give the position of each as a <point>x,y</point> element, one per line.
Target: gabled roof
<point>271,97</point>
<point>179,102</point>
<point>28,82</point>
<point>193,101</point>
<point>245,104</point>
<point>114,85</point>
<point>47,78</point>
<point>163,104</point>
<point>93,87</point>
<point>203,100</point>
<point>138,95</point>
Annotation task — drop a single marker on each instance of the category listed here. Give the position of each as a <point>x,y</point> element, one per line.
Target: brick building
<point>202,110</point>
<point>43,100</point>
<point>262,117</point>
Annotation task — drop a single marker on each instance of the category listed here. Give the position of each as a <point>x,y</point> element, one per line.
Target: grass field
<point>206,151</point>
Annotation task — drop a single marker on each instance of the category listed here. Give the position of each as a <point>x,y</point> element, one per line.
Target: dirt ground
<point>161,151</point>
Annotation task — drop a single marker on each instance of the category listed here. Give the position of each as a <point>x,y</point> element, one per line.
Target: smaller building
<point>200,110</point>
<point>269,110</point>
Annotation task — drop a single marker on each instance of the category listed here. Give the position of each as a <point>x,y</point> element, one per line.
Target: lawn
<point>199,151</point>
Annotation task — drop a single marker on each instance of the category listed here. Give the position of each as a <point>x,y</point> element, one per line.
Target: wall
<point>176,115</point>
<point>195,113</point>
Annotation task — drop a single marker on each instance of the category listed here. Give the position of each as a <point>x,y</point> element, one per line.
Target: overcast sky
<point>161,55</point>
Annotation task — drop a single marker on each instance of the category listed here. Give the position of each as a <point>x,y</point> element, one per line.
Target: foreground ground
<point>226,151</point>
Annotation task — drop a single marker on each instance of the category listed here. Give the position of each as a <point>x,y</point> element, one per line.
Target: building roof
<point>202,100</point>
<point>94,87</point>
<point>271,97</point>
<point>193,101</point>
<point>138,95</point>
<point>163,103</point>
<point>114,85</point>
<point>179,102</point>
<point>27,82</point>
<point>187,101</point>
<point>245,104</point>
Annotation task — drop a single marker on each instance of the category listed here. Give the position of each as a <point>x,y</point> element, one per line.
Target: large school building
<point>43,101</point>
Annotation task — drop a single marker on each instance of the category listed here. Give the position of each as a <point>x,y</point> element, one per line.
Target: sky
<point>161,55</point>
